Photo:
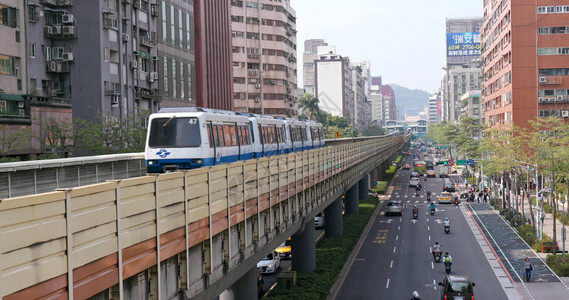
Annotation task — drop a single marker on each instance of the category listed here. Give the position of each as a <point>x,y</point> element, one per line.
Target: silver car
<point>394,208</point>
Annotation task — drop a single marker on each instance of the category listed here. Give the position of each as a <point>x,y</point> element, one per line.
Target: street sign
<point>461,162</point>
<point>450,162</point>
<point>470,162</point>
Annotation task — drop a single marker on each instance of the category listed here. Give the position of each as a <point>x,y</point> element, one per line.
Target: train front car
<point>174,141</point>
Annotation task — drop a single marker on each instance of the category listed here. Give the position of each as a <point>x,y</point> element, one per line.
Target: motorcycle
<point>429,197</point>
<point>437,255</point>
<point>447,229</point>
<point>415,215</point>
<point>432,211</point>
<point>417,193</point>
<point>447,267</point>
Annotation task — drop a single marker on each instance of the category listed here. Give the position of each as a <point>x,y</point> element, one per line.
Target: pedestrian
<point>528,266</point>
<point>479,196</point>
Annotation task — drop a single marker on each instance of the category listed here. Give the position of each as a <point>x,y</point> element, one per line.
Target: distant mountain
<point>411,102</point>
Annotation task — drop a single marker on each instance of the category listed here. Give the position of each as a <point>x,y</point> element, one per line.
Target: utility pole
<point>563,230</point>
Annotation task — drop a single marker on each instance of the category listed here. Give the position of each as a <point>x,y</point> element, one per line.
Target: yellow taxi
<point>285,250</point>
<point>406,167</point>
<point>445,197</point>
<point>431,173</point>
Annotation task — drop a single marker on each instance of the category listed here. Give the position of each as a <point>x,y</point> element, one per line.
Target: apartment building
<point>519,86</point>
<point>434,108</point>
<point>333,81</point>
<point>376,101</point>
<point>471,106</point>
<point>389,107</point>
<point>264,57</point>
<point>361,81</point>
<point>462,67</point>
<point>310,54</point>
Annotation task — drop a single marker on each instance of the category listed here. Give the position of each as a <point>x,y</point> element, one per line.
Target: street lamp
<point>563,231</point>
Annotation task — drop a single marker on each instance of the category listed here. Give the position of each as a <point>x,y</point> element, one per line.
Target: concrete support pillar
<point>244,288</point>
<point>304,249</point>
<point>364,187</point>
<point>352,200</point>
<point>333,222</point>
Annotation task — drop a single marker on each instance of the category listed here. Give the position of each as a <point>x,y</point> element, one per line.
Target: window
<point>6,63</point>
<point>181,80</point>
<point>189,81</point>
<point>32,49</point>
<point>165,75</point>
<point>252,4</point>
<point>32,15</point>
<point>172,26</point>
<point>177,132</point>
<point>57,53</point>
<point>180,29</point>
<point>188,35</point>
<point>8,16</point>
<point>164,25</point>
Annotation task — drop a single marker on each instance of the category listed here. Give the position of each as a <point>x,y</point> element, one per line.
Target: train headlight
<point>150,163</point>
<point>199,161</point>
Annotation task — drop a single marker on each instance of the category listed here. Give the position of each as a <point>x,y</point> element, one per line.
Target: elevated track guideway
<point>207,227</point>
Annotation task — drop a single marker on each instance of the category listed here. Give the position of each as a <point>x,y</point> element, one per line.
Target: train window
<point>174,132</point>
<point>249,130</point>
<point>261,138</point>
<point>271,134</point>
<point>227,135</point>
<point>215,135</point>
<point>209,135</point>
<point>233,134</point>
<point>222,142</point>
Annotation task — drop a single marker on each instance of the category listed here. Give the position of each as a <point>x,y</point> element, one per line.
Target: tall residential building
<point>463,51</point>
<point>389,107</point>
<point>376,101</point>
<point>264,57</point>
<point>308,57</point>
<point>334,85</point>
<point>471,106</point>
<point>361,88</point>
<point>519,86</point>
<point>434,108</point>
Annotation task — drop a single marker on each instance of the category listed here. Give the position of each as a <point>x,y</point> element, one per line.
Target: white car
<point>319,221</point>
<point>270,263</point>
<point>414,182</point>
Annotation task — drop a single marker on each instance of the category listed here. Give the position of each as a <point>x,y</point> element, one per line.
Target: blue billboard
<point>463,44</point>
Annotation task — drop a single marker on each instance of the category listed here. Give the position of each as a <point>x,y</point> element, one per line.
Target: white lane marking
<point>434,284</point>
<point>391,265</point>
<point>427,219</point>
<point>429,238</point>
<point>394,248</point>
<point>430,249</point>
<point>416,201</point>
<point>397,238</point>
<point>432,265</point>
<point>387,285</point>
<point>400,220</point>
<point>425,201</point>
<point>399,228</point>
<point>429,228</point>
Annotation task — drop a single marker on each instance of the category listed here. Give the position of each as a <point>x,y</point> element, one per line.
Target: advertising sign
<point>463,44</point>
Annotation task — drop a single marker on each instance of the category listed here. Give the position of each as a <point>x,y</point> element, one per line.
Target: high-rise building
<point>264,57</point>
<point>334,85</point>
<point>389,107</point>
<point>434,108</point>
<point>519,86</point>
<point>462,64</point>
<point>361,88</point>
<point>308,57</point>
<point>376,101</point>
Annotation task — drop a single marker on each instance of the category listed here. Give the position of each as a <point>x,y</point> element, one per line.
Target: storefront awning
<point>9,97</point>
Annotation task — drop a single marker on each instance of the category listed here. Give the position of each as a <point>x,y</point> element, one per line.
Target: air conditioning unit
<point>21,104</point>
<point>257,86</point>
<point>67,56</point>
<point>134,64</point>
<point>542,79</point>
<point>52,66</point>
<point>49,30</point>
<point>68,29</point>
<point>154,75</point>
<point>56,29</point>
<point>551,99</point>
<point>67,19</point>
<point>150,78</point>
<point>126,38</point>
<point>565,113</point>
<point>559,98</point>
<point>257,99</point>
<point>272,82</point>
<point>21,112</point>
<point>540,99</point>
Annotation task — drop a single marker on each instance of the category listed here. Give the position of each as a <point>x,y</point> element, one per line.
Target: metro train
<point>194,137</point>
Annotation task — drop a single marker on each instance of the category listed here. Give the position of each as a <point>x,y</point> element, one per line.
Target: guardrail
<point>77,242</point>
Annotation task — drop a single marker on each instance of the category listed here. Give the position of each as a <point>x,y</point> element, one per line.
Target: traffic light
<point>442,162</point>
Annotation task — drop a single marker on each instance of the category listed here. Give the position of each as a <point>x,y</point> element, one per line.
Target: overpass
<point>207,227</point>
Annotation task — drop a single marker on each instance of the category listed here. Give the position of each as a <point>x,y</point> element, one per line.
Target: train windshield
<point>174,132</point>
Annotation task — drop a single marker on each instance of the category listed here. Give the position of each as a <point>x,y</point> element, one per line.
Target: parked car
<point>457,287</point>
<point>394,208</point>
<point>285,249</point>
<point>270,263</point>
<point>445,197</point>
<point>414,182</point>
<point>319,221</point>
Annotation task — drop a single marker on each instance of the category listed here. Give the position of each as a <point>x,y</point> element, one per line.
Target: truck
<point>443,171</point>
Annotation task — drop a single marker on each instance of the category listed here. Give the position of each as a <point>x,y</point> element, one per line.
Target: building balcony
<point>57,3</point>
<point>553,99</point>
<point>550,80</point>
<point>57,66</point>
<point>146,42</point>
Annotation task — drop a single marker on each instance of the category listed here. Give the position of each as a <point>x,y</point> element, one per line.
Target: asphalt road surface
<point>395,258</point>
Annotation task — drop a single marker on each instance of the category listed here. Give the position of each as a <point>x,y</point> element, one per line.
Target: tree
<point>373,131</point>
<point>14,140</point>
<point>309,105</point>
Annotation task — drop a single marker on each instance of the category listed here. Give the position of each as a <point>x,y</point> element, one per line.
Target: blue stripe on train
<point>191,163</point>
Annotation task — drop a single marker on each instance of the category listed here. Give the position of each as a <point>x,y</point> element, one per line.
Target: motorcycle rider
<point>425,176</point>
<point>417,188</point>
<point>415,296</point>
<point>415,210</point>
<point>437,247</point>
<point>432,206</point>
<point>447,258</point>
<point>447,222</point>
<point>428,195</point>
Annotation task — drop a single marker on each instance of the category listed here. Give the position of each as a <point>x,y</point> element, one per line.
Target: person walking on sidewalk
<point>528,268</point>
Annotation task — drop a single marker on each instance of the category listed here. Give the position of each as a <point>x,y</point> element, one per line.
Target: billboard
<point>463,44</point>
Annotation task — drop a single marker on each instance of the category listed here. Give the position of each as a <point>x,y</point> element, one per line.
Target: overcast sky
<point>404,40</point>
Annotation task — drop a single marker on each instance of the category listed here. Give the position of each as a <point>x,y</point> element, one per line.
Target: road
<point>395,258</point>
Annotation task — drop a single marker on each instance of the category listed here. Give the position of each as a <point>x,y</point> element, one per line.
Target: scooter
<point>415,215</point>
<point>416,193</point>
<point>447,229</point>
<point>437,255</point>
<point>447,267</point>
<point>432,211</point>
